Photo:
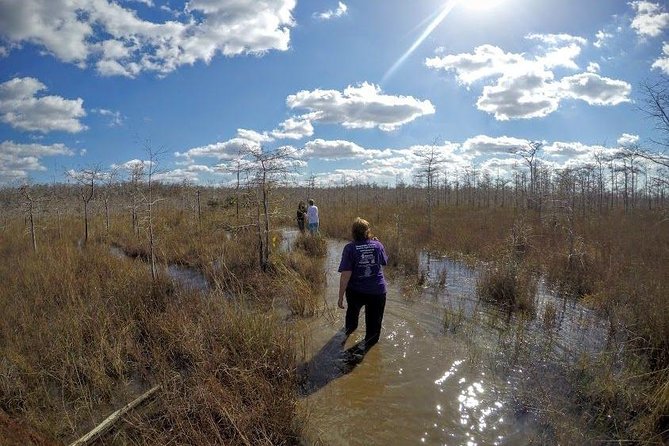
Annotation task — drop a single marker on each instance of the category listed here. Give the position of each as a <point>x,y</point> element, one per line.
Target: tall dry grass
<point>83,332</point>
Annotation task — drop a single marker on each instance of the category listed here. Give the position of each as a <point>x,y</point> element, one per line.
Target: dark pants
<point>374,305</point>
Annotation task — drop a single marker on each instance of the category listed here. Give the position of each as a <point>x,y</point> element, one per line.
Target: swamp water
<point>188,278</point>
<point>446,370</point>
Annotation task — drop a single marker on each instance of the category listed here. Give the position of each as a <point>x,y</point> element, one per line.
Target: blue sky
<point>86,82</point>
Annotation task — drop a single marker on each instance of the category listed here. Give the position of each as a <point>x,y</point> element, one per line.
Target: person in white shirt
<point>312,217</point>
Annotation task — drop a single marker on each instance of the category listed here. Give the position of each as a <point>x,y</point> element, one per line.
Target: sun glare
<point>480,4</point>
<point>433,21</point>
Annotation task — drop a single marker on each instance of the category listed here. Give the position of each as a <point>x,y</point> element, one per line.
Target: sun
<point>480,4</point>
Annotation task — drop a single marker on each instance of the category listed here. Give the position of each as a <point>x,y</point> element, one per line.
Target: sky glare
<point>355,89</point>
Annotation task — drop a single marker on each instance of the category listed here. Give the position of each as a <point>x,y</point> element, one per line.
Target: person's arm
<point>343,283</point>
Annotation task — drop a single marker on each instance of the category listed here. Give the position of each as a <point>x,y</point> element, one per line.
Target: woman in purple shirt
<point>362,281</point>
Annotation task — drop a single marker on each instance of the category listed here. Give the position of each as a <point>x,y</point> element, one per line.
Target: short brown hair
<point>360,229</point>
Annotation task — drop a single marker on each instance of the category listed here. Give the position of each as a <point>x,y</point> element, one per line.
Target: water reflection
<point>574,328</point>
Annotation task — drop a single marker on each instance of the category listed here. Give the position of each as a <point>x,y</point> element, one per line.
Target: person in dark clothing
<point>301,215</point>
<point>362,281</point>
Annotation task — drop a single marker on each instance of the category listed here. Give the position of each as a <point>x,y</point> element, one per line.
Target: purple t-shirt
<point>364,260</point>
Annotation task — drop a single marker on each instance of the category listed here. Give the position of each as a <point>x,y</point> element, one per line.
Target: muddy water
<point>425,382</point>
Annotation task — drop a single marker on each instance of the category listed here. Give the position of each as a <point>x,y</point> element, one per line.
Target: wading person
<point>312,217</point>
<point>301,215</point>
<point>362,281</point>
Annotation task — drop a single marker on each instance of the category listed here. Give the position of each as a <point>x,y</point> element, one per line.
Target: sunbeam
<point>448,7</point>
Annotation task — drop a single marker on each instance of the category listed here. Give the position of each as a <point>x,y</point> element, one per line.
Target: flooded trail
<point>424,382</point>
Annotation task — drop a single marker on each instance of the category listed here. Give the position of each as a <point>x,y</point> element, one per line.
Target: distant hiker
<point>362,281</point>
<point>301,215</point>
<point>312,217</point>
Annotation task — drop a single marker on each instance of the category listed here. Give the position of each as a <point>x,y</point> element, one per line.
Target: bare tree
<point>86,179</point>
<point>529,154</point>
<point>151,169</point>
<point>656,106</point>
<point>199,209</point>
<point>110,179</point>
<point>263,171</point>
<point>136,177</point>
<point>429,167</point>
<point>29,203</point>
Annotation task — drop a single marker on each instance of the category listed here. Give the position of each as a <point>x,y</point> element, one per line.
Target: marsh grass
<point>312,245</point>
<point>84,332</point>
<point>508,285</point>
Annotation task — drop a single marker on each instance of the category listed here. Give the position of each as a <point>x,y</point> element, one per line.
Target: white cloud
<point>488,145</point>
<point>523,96</point>
<point>132,165</point>
<point>16,160</point>
<point>556,40</point>
<point>148,3</point>
<point>177,176</point>
<point>337,150</point>
<point>200,168</point>
<point>601,37</point>
<point>369,175</point>
<point>296,127</point>
<point>117,41</point>
<point>22,109</point>
<point>650,19</point>
<point>115,117</point>
<point>332,14</point>
<point>662,63</point>
<point>501,166</point>
<point>226,150</point>
<point>556,50</point>
<point>595,89</point>
<point>568,149</point>
<point>524,87</point>
<point>593,67</point>
<point>392,164</point>
<point>362,106</point>
<point>627,139</point>
<point>486,61</point>
<point>254,136</point>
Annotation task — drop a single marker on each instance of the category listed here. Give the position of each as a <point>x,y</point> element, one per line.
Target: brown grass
<point>83,332</point>
<point>314,246</point>
<point>509,286</point>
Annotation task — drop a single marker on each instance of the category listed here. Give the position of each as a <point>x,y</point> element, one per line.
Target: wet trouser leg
<point>374,306</point>
<point>354,303</point>
<point>376,303</point>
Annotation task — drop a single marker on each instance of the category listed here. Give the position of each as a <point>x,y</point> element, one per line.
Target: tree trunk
<point>265,205</point>
<point>107,214</point>
<point>32,228</point>
<point>85,221</point>
<point>199,211</point>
